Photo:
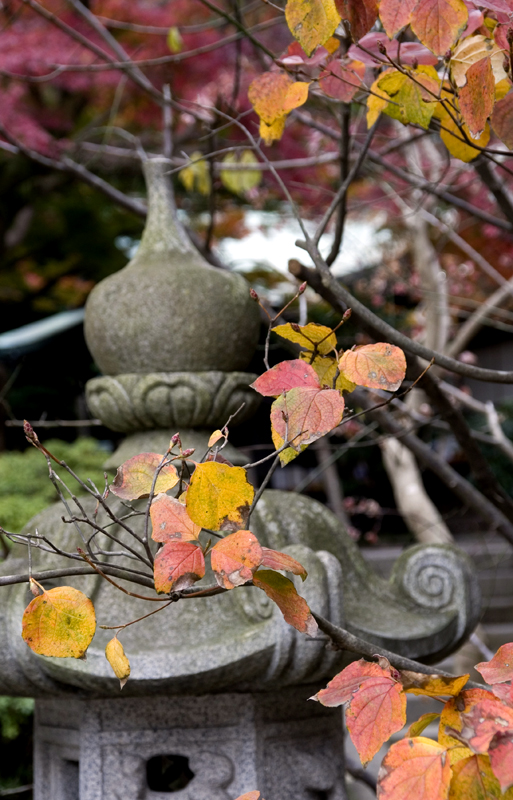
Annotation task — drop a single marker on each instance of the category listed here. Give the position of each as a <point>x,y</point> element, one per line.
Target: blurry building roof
<point>34,335</point>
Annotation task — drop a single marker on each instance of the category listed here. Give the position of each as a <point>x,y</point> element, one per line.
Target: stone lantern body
<point>217,701</point>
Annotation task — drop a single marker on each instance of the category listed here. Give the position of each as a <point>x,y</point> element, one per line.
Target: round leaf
<point>377,366</point>
<point>219,497</point>
<point>60,622</point>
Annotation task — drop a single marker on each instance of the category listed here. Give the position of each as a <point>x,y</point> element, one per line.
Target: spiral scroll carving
<point>133,402</point>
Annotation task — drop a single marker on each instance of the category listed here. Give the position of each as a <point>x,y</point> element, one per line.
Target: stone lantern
<point>217,701</point>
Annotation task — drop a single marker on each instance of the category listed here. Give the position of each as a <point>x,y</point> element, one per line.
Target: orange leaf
<point>395,14</point>
<point>432,685</point>
<point>500,668</point>
<point>342,80</point>
<point>249,796</point>
<point>60,622</point>
<point>177,566</point>
<point>438,23</point>
<point>219,496</point>
<point>502,120</point>
<point>297,95</point>
<point>301,416</point>
<point>276,560</point>
<point>284,376</point>
<point>283,592</point>
<point>170,521</point>
<point>361,15</point>
<point>273,95</point>
<point>376,711</point>
<point>451,718</point>
<point>477,97</point>
<point>473,779</point>
<point>311,22</point>
<point>342,687</point>
<point>377,366</point>
<point>134,478</point>
<point>215,438</point>
<point>235,558</point>
<point>415,769</point>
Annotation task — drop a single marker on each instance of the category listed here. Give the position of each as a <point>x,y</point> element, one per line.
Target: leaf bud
<point>175,440</point>
<point>34,587</point>
<point>347,314</point>
<point>302,288</point>
<point>30,432</point>
<point>447,55</point>
<point>415,63</point>
<point>253,295</point>
<point>506,64</point>
<point>188,452</point>
<point>295,327</point>
<point>381,47</point>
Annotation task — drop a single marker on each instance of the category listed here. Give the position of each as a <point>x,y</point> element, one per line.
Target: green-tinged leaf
<point>326,368</point>
<point>134,478</point>
<point>196,176</point>
<point>60,622</point>
<point>219,496</point>
<point>283,592</point>
<point>418,727</point>
<point>174,40</point>
<point>473,779</point>
<point>240,181</point>
<point>235,558</point>
<point>413,101</point>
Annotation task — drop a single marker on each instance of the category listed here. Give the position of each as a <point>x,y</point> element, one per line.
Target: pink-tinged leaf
<point>134,478</point>
<point>284,376</point>
<point>451,721</point>
<point>342,80</point>
<point>377,366</point>
<point>171,521</point>
<point>439,23</point>
<point>499,6</point>
<point>500,668</point>
<point>501,760</point>
<point>504,691</point>
<point>376,711</point>
<point>283,592</point>
<point>410,51</point>
<point>302,416</point>
<point>342,687</point>
<point>475,20</point>
<point>483,722</point>
<point>276,560</point>
<point>235,558</point>
<point>502,121</point>
<point>177,566</point>
<point>477,97</point>
<point>415,769</point>
<point>395,14</point>
<point>360,14</point>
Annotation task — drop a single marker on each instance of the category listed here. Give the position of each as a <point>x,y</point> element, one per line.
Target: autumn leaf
<point>439,23</point>
<point>473,779</point>
<point>504,691</point>
<point>360,14</point>
<point>501,761</point>
<point>469,51</point>
<point>312,336</point>
<point>276,560</point>
<point>451,719</point>
<point>415,768</point>
<point>377,366</point>
<point>483,721</point>
<point>283,592</point>
<point>196,175</point>
<point>342,687</point>
<point>454,131</point>
<point>249,796</point>
<point>376,711</point>
<point>60,622</point>
<point>273,95</point>
<point>377,101</point>
<point>174,41</point>
<point>284,376</point>
<point>171,521</point>
<point>341,80</point>
<point>240,181</point>
<point>395,15</point>
<point>219,496</point>
<point>301,416</point>
<point>214,438</point>
<point>502,120</point>
<point>134,478</point>
<point>500,668</point>
<point>311,22</point>
<point>326,368</point>
<point>177,566</point>
<point>432,685</point>
<point>115,655</point>
<point>235,558</point>
<point>477,97</point>
<point>420,725</point>
<point>413,101</point>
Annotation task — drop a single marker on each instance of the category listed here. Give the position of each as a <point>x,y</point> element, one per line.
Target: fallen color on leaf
<point>235,558</point>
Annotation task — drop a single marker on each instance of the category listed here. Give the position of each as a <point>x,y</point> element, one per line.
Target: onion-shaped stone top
<point>168,310</point>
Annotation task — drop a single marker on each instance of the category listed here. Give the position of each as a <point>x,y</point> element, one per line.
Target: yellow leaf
<point>296,96</point>
<point>432,685</point>
<point>134,478</point>
<point>312,22</point>
<point>196,175</point>
<point>377,101</point>
<point>116,657</point>
<point>60,622</point>
<point>240,182</point>
<point>273,132</point>
<point>311,336</point>
<point>502,88</point>
<point>174,40</point>
<point>273,95</point>
<point>326,369</point>
<point>215,438</point>
<point>418,727</point>
<point>219,496</point>
<point>412,98</point>
<point>452,136</point>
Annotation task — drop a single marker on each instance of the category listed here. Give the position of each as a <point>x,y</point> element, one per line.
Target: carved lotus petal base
<point>134,402</point>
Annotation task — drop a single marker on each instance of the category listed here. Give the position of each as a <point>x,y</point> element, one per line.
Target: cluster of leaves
<point>473,757</point>
<point>455,67</point>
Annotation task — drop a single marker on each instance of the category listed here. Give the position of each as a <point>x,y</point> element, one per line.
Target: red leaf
<point>341,80</point>
<point>342,687</point>
<point>284,376</point>
<point>483,722</point>
<point>235,558</point>
<point>283,592</point>
<point>376,711</point>
<point>377,366</point>
<point>395,14</point>
<point>501,760</point>
<point>500,668</point>
<point>415,769</point>
<point>171,521</point>
<point>502,120</point>
<point>477,97</point>
<point>438,23</point>
<point>276,560</point>
<point>361,15</point>
<point>310,414</point>
<point>177,566</point>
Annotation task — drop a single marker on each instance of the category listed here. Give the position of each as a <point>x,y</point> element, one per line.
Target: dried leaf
<point>377,366</point>
<point>500,668</point>
<point>326,368</point>
<point>439,23</point>
<point>502,120</point>
<point>196,176</point>
<point>360,14</point>
<point>215,438</point>
<point>376,711</point>
<point>473,779</point>
<point>276,560</point>
<point>342,80</point>
<point>235,558</point>
<point>418,727</point>
<point>311,337</point>
<point>177,566</point>
<point>134,478</point>
<point>283,592</point>
<point>171,521</point>
<point>477,97</point>
<point>219,497</point>
<point>60,622</point>
<point>311,22</point>
<point>415,768</point>
<point>301,416</point>
<point>432,685</point>
<point>342,687</point>
<point>395,15</point>
<point>451,718</point>
<point>284,376</point>
<point>115,655</point>
<point>240,181</point>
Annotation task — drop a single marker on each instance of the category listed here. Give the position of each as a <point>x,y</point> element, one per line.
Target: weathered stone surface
<point>168,310</point>
<point>177,400</point>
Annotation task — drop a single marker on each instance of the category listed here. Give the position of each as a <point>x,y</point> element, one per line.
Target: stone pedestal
<point>213,747</point>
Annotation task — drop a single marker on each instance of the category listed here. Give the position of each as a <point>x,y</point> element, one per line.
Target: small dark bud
<point>253,295</point>
<point>506,64</point>
<point>188,452</point>
<point>415,63</point>
<point>295,327</point>
<point>30,432</point>
<point>381,47</point>
<point>509,35</point>
<point>447,55</point>
<point>347,314</point>
<point>302,288</point>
